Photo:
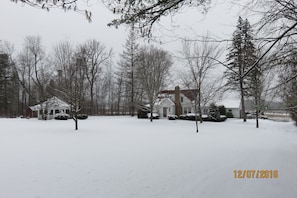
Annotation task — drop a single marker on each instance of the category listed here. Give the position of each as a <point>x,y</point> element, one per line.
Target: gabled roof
<point>189,93</point>
<point>51,103</point>
<point>230,103</point>
<point>162,100</point>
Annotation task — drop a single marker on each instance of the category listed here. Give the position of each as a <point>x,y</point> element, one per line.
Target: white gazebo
<point>50,108</point>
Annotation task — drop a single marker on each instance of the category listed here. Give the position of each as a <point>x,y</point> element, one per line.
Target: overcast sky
<point>18,21</point>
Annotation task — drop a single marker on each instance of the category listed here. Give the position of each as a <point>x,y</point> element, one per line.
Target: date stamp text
<point>250,174</point>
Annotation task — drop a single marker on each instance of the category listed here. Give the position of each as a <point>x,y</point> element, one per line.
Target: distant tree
<point>76,89</point>
<point>35,72</point>
<point>71,77</point>
<point>119,82</point>
<point>199,59</point>
<point>153,68</point>
<point>241,56</point>
<point>214,112</point>
<point>288,80</point>
<point>9,85</point>
<point>128,71</point>
<point>277,25</point>
<point>222,110</point>
<point>96,56</point>
<point>62,59</point>
<point>108,87</point>
<point>255,88</point>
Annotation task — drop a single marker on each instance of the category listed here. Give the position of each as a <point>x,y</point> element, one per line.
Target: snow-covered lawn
<point>123,157</point>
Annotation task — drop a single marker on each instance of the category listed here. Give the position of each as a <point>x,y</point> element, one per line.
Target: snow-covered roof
<point>160,101</point>
<point>191,94</point>
<point>51,103</point>
<point>230,103</point>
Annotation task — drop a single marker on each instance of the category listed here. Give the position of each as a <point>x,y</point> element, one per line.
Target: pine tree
<point>241,57</point>
<point>128,70</point>
<point>9,87</point>
<point>254,78</point>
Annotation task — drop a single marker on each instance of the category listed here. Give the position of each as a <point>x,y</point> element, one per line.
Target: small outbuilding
<point>49,109</point>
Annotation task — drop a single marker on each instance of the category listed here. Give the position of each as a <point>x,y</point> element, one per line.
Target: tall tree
<point>241,57</point>
<point>35,71</point>
<point>96,56</point>
<point>71,78</point>
<point>128,69</point>
<point>199,60</point>
<point>76,91</point>
<point>255,87</point>
<point>153,69</point>
<point>288,80</point>
<point>9,86</point>
<point>277,24</point>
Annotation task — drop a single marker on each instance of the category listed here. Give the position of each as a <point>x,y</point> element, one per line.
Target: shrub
<point>229,114</point>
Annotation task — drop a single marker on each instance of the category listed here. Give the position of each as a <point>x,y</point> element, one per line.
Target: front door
<point>165,112</point>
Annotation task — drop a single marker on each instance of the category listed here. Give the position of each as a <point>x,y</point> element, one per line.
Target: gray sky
<point>18,21</point>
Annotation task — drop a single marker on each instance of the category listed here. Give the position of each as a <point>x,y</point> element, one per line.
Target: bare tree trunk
<point>243,114</point>
<point>92,98</point>
<point>196,117</point>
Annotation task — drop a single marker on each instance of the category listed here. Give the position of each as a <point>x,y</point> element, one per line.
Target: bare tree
<point>153,69</point>
<point>77,86</point>
<point>278,26</point>
<point>127,69</point>
<point>199,59</point>
<point>288,81</point>
<point>96,56</point>
<point>70,65</point>
<point>35,71</point>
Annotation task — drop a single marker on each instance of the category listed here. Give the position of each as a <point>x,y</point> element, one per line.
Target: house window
<point>205,111</point>
<point>169,109</point>
<point>187,110</point>
<point>181,99</point>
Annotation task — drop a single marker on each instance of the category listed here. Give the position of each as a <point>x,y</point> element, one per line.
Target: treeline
<point>85,76</point>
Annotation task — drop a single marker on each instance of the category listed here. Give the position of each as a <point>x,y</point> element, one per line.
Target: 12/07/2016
<point>250,174</point>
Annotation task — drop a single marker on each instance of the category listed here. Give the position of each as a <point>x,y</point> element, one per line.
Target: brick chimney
<point>178,107</point>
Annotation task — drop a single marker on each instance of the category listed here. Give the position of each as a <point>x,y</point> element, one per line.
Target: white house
<point>232,105</point>
<point>175,102</point>
<point>178,102</point>
<point>49,108</point>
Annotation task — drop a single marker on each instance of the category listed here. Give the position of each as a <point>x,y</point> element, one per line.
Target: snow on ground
<point>123,157</point>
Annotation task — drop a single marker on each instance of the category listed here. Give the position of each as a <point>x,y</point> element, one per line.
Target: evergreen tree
<point>241,56</point>
<point>128,70</point>
<point>9,87</point>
